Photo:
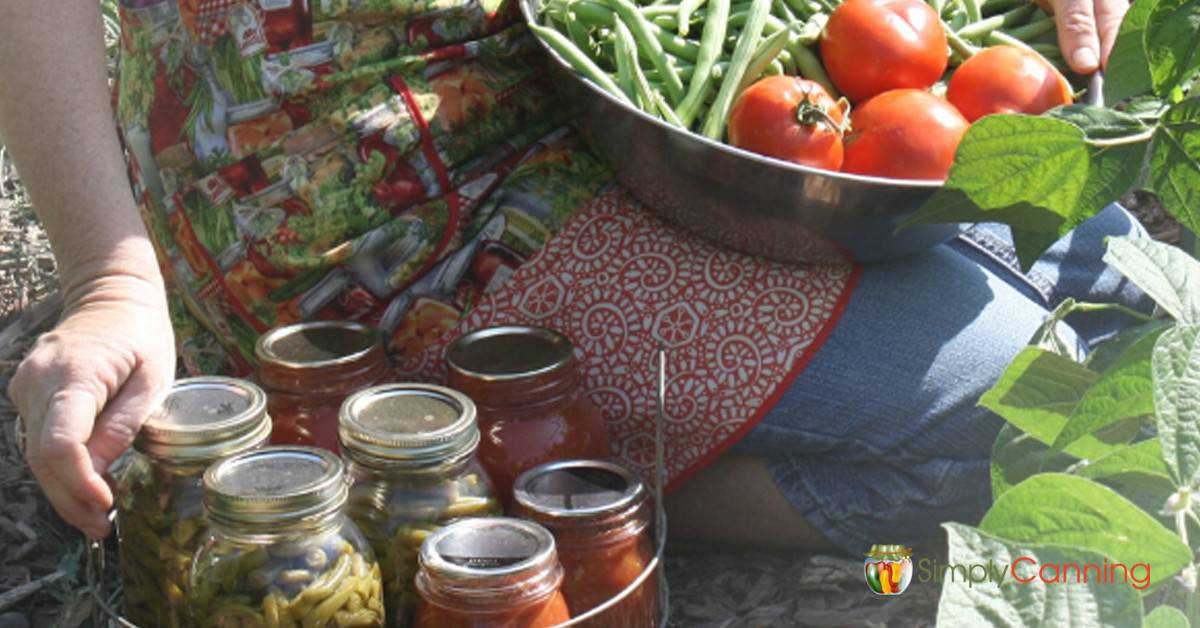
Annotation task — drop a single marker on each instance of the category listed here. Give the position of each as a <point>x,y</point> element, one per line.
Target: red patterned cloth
<point>619,282</point>
<point>211,18</point>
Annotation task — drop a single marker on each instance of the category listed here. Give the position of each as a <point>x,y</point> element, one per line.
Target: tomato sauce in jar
<point>308,369</point>
<point>599,514</point>
<point>525,383</point>
<point>490,573</point>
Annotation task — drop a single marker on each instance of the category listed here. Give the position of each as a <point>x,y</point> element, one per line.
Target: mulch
<point>43,561</point>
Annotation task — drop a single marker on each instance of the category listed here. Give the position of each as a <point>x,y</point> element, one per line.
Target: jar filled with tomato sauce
<point>599,514</point>
<point>526,384</point>
<point>410,456</point>
<point>308,370</point>
<point>488,573</point>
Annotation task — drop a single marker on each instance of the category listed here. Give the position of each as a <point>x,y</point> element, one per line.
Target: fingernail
<point>1084,58</point>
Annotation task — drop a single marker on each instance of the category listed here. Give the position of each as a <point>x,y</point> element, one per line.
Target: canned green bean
<point>410,453</point>
<point>160,519</point>
<point>281,552</point>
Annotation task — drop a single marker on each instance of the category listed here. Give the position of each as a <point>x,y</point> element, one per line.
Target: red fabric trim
<point>439,169</point>
<point>801,363</point>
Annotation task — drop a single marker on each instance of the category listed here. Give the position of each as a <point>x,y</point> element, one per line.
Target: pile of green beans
<point>396,515</point>
<point>686,63</point>
<point>303,583</point>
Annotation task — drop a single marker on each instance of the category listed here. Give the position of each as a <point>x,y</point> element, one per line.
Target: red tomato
<point>871,46</point>
<point>904,134</point>
<point>1007,79</point>
<point>789,118</point>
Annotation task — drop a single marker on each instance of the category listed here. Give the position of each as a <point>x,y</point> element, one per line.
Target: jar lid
<point>509,352</point>
<point>317,344</point>
<point>204,418</point>
<point>578,489</point>
<point>408,424</point>
<point>275,486</point>
<point>487,548</point>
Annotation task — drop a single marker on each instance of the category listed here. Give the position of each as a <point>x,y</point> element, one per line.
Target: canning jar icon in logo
<point>888,569</point>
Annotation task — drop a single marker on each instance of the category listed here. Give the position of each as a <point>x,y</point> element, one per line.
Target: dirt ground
<point>43,562</point>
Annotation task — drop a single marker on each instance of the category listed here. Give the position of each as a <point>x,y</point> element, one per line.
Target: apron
<point>404,163</point>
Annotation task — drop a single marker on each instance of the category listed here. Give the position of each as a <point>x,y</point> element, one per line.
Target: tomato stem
<point>809,113</point>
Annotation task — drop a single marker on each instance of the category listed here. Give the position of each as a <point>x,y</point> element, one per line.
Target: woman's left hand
<point>1087,30</point>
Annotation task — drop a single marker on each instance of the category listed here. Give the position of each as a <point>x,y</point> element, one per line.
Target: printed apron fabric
<point>404,163</point>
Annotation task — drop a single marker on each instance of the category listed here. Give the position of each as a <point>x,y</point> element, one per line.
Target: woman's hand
<point>1086,30</point>
<point>87,386</point>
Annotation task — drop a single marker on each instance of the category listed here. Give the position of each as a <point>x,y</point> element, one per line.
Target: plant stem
<point>1144,136</point>
<point>1103,307</point>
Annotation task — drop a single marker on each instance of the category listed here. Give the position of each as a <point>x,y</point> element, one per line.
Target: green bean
<point>960,46</point>
<point>774,68</point>
<point>625,61</point>
<point>684,15</point>
<point>974,10</point>
<point>1032,30</point>
<point>711,41</point>
<point>600,15</point>
<point>578,60</point>
<point>981,28</point>
<point>649,46</point>
<point>714,124</point>
<point>652,101</point>
<point>810,67</point>
<point>785,59</point>
<point>990,7</point>
<point>802,8</point>
<point>764,55</point>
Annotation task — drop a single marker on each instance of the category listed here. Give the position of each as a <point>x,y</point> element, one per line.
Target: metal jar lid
<point>408,424</point>
<point>577,489</point>
<point>275,487</point>
<point>488,548</point>
<point>205,418</point>
<point>509,353</point>
<point>317,344</point>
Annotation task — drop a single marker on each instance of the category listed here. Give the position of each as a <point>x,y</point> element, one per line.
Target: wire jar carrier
<point>107,602</point>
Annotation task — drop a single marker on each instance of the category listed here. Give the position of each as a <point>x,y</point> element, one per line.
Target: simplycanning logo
<point>889,569</point>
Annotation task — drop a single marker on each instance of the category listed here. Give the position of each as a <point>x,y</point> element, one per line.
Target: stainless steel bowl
<point>742,200</point>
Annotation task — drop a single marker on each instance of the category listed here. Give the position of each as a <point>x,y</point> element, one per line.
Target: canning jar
<point>599,514</point>
<point>525,382</point>
<point>308,369</point>
<point>280,550</point>
<point>488,573</point>
<point>159,501</point>
<point>410,455</point>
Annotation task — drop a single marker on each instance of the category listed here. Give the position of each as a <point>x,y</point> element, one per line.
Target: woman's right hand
<point>86,387</point>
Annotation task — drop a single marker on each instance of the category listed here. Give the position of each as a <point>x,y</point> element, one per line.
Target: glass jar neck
<point>571,533</point>
<point>493,593</point>
<point>339,378</point>
<point>534,394</point>
<point>443,470</point>
<point>259,533</point>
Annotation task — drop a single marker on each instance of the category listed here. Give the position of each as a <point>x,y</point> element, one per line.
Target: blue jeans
<point>880,439</point>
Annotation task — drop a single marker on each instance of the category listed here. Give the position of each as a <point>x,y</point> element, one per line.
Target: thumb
<point>1077,34</point>
<point>118,424</point>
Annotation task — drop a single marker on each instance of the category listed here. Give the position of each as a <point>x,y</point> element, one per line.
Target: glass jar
<point>410,454</point>
<point>489,573</point>
<point>599,514</point>
<point>280,550</point>
<point>308,369</point>
<point>525,382</point>
<point>159,498</point>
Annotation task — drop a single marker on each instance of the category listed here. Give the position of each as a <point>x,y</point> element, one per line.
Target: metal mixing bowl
<point>742,200</point>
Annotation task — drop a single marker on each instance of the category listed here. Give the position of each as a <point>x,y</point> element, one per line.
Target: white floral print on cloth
<point>620,283</point>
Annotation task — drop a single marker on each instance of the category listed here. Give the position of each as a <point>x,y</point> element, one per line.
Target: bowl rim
<point>529,10</point>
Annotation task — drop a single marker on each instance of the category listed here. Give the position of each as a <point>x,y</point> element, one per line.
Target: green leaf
<point>1172,47</point>
<point>1177,401</point>
<point>1017,456</point>
<point>1167,274</point>
<point>1099,122</point>
<point>1036,173</point>
<point>1108,352</point>
<point>1166,617</point>
<point>1175,161</point>
<point>1144,457</point>
<point>1064,509</point>
<point>1037,392</point>
<point>1128,70</point>
<point>1096,602</point>
<point>1124,391</point>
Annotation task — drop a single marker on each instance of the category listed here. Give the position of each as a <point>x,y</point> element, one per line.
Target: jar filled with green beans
<point>281,550</point>
<point>410,452</point>
<point>159,501</point>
